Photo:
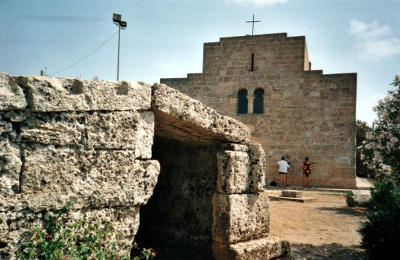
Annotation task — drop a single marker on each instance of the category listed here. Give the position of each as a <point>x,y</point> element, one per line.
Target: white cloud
<point>374,40</point>
<point>260,2</point>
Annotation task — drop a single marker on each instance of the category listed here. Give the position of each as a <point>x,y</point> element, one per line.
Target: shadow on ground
<point>326,251</point>
<point>356,211</point>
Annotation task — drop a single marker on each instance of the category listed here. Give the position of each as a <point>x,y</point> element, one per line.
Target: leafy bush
<point>381,149</point>
<point>381,152</point>
<point>381,233</point>
<point>62,238</point>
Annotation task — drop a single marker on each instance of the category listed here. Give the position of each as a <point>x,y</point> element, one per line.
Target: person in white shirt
<point>283,166</point>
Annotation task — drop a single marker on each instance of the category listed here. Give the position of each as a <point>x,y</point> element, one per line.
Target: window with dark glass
<point>242,102</point>
<point>258,103</point>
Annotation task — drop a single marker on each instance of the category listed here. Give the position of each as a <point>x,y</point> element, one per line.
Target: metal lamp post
<point>121,25</point>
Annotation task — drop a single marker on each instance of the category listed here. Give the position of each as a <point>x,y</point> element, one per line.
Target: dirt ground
<point>324,228</point>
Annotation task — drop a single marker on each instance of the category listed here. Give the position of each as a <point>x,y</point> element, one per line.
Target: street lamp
<point>121,25</point>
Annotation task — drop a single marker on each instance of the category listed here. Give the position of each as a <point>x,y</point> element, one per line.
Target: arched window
<point>258,104</point>
<point>242,102</point>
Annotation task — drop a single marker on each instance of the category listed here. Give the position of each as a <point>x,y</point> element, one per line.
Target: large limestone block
<point>259,249</point>
<point>14,224</point>
<point>12,96</point>
<point>233,172</point>
<point>90,178</point>
<point>61,94</point>
<point>194,117</point>
<point>55,128</point>
<point>122,130</point>
<point>129,130</point>
<point>10,168</point>
<point>125,221</point>
<point>240,217</point>
<point>258,171</point>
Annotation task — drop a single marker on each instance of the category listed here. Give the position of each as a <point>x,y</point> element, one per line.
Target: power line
<point>86,56</point>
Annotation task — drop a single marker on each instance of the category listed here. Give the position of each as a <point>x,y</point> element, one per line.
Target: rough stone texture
<point>233,172</point>
<point>190,117</point>
<point>10,167</point>
<point>73,140</point>
<point>97,179</point>
<point>359,198</point>
<point>179,216</point>
<point>5,126</point>
<point>61,94</point>
<point>258,168</point>
<point>306,113</point>
<point>122,130</point>
<point>11,95</point>
<point>258,249</point>
<point>240,217</point>
<point>292,194</point>
<point>100,130</point>
<point>91,143</point>
<point>235,147</point>
<point>54,129</point>
<point>14,224</point>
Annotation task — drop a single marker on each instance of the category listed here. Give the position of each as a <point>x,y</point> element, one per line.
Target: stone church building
<point>266,81</point>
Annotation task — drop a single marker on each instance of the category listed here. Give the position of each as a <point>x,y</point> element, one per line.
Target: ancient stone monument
<point>266,82</point>
<point>147,158</point>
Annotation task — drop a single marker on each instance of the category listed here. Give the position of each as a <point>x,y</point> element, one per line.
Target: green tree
<point>381,152</point>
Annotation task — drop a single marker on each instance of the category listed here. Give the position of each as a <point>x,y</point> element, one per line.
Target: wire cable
<point>84,57</point>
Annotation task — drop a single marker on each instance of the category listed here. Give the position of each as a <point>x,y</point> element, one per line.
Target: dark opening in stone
<point>3,244</point>
<point>177,220</point>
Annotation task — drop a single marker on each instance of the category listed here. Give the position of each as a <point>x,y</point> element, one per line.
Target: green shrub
<point>381,232</point>
<point>62,238</point>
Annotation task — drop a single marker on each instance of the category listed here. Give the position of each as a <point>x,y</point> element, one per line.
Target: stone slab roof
<point>180,117</point>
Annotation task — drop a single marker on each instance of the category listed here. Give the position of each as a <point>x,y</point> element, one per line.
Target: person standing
<point>307,166</point>
<point>283,167</point>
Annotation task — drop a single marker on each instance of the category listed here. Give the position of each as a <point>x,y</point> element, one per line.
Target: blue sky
<point>164,38</point>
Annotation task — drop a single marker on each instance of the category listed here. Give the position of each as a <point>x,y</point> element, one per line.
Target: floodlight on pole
<point>121,25</point>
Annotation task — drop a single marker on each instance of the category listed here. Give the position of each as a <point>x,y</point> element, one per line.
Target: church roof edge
<point>268,35</point>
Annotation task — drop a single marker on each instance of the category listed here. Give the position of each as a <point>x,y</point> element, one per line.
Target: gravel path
<point>324,228</point>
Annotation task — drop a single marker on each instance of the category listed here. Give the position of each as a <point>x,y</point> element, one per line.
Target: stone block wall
<point>72,140</point>
<point>110,148</point>
<point>306,113</point>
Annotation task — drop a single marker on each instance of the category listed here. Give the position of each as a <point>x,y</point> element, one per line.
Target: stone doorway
<point>177,220</point>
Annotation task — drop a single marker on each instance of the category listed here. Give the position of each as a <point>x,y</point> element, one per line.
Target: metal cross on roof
<point>252,21</point>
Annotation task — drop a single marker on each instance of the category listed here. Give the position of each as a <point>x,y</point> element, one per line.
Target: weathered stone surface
<point>12,96</point>
<point>358,198</point>
<point>12,227</point>
<point>258,249</point>
<point>233,172</point>
<point>97,179</point>
<point>235,147</point>
<point>128,130</point>
<point>122,130</point>
<point>179,215</point>
<point>258,168</point>
<point>55,129</point>
<point>124,220</point>
<point>292,193</point>
<point>199,119</point>
<point>240,217</point>
<point>16,116</point>
<point>13,224</point>
<point>61,94</point>
<point>10,167</point>
<point>5,126</point>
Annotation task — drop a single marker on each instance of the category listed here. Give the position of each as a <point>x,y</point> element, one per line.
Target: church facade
<point>266,82</point>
